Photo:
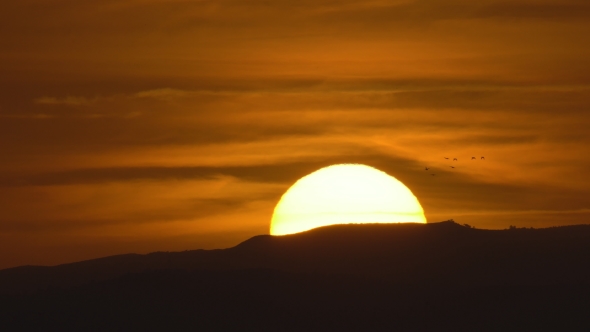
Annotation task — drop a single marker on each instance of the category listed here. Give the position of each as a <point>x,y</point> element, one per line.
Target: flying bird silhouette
<point>452,166</point>
<point>482,157</point>
<point>472,158</point>
<point>454,159</point>
<point>426,168</point>
<point>446,158</point>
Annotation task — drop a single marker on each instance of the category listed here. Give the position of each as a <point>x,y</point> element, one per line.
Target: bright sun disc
<point>342,194</point>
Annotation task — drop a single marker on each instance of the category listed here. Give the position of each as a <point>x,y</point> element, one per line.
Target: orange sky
<point>146,125</point>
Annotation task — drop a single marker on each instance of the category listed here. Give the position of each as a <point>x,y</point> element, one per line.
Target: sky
<point>167,125</point>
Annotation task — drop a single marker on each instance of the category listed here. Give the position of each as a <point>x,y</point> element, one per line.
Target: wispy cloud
<point>69,100</point>
<point>164,93</point>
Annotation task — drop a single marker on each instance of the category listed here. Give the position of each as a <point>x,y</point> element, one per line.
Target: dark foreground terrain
<point>401,277</point>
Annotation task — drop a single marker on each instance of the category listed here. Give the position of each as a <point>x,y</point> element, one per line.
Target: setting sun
<point>341,194</point>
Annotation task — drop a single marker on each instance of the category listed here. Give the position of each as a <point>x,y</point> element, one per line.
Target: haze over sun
<point>146,125</point>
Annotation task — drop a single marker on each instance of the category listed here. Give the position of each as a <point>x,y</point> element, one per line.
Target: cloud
<point>131,204</point>
<point>193,210</point>
<point>280,172</point>
<point>164,93</point>
<point>537,10</point>
<point>69,100</point>
<point>39,116</point>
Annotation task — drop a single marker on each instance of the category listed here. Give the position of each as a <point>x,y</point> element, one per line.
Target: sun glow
<point>341,194</point>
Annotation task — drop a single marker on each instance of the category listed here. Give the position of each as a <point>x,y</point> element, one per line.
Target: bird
<point>446,158</point>
<point>472,158</point>
<point>452,166</point>
<point>482,157</point>
<point>426,168</point>
<point>454,159</point>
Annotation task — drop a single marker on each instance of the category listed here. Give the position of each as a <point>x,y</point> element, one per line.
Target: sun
<point>342,194</point>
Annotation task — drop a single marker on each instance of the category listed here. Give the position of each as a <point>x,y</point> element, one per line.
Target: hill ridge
<point>375,250</point>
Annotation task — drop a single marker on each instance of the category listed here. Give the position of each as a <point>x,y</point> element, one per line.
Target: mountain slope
<point>406,277</point>
<point>398,252</point>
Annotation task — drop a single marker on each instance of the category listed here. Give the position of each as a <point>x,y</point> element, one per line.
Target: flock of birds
<point>454,159</point>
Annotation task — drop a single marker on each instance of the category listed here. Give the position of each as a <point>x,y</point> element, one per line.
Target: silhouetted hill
<point>405,252</point>
<point>346,277</point>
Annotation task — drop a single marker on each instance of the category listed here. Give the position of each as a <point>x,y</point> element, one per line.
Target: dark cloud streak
<point>274,173</point>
